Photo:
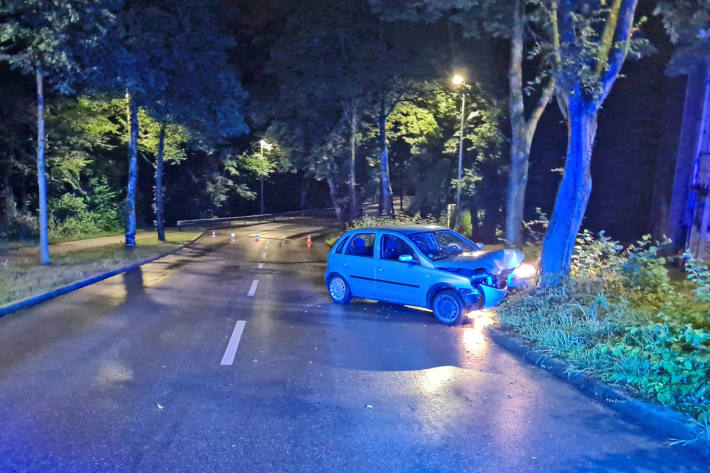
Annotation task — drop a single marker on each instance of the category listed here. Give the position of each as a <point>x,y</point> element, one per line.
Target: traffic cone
<point>234,237</point>
<point>257,237</point>
<point>214,234</point>
<point>308,241</point>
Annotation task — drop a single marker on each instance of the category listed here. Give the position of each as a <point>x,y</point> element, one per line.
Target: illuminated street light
<point>457,80</point>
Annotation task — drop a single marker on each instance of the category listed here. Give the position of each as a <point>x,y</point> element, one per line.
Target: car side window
<point>341,245</point>
<point>362,244</point>
<point>393,247</point>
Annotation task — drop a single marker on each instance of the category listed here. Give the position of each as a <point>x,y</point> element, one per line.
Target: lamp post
<point>262,144</point>
<point>458,81</point>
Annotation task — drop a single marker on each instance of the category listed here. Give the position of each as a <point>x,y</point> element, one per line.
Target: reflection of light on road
<point>474,339</point>
<point>435,378</point>
<point>114,372</point>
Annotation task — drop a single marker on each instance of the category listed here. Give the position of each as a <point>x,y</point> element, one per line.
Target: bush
<point>401,219</point>
<point>620,317</point>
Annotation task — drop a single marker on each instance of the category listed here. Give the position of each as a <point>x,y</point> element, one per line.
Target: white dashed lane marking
<point>261,266</point>
<point>231,351</point>
<point>252,289</point>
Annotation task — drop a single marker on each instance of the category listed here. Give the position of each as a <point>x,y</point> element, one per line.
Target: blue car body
<point>376,264</point>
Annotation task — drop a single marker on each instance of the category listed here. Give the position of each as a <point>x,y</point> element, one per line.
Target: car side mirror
<point>481,246</point>
<point>406,258</point>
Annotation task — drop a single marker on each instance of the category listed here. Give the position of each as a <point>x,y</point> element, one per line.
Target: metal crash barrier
<point>258,218</point>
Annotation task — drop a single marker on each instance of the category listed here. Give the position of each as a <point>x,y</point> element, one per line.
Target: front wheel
<point>448,307</point>
<point>339,290</point>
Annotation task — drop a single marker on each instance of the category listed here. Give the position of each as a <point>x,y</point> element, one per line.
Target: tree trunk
<point>680,217</point>
<point>305,185</point>
<point>517,185</point>
<point>522,129</point>
<point>334,194</point>
<point>387,203</point>
<point>132,172</point>
<point>351,184</point>
<point>572,195</point>
<point>8,212</point>
<point>401,190</point>
<point>159,191</point>
<point>42,173</point>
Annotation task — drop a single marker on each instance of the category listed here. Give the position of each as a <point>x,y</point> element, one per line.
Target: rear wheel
<point>448,307</point>
<point>339,290</point>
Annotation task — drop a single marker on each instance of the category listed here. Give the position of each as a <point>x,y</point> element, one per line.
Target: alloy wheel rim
<point>337,289</point>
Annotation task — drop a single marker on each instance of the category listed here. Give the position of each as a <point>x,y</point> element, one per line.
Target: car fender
<point>448,281</point>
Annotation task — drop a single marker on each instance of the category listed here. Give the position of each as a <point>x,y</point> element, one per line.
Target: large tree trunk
<point>522,130</point>
<point>680,214</point>
<point>132,172</point>
<point>572,195</point>
<point>386,200</point>
<point>159,191</point>
<point>42,173</point>
<point>351,183</point>
<point>517,186</point>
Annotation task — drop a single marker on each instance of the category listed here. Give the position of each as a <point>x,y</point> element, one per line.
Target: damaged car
<point>425,266</point>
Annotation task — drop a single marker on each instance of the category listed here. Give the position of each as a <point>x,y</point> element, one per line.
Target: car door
<point>400,281</point>
<point>358,264</point>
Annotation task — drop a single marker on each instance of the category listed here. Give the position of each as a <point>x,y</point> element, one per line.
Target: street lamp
<point>458,81</point>
<point>262,144</point>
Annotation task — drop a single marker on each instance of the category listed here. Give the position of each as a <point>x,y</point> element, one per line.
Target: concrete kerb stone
<point>662,420</point>
<point>27,302</point>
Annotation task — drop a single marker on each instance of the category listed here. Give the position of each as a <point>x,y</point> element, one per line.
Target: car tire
<point>448,307</point>
<point>339,290</point>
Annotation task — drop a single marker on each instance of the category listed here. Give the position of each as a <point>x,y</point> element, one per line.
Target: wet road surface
<point>188,364</point>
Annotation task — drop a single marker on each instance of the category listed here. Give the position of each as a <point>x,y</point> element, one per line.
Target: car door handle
<point>346,264</point>
<point>380,269</point>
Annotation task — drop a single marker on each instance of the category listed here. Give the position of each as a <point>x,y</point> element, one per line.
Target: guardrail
<point>259,218</point>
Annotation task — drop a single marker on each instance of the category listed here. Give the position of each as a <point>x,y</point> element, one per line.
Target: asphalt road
<point>139,374</point>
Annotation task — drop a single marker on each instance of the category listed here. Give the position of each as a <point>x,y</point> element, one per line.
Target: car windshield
<point>440,244</point>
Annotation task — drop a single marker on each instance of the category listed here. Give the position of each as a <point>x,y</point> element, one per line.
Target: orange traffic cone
<point>257,237</point>
<point>308,241</point>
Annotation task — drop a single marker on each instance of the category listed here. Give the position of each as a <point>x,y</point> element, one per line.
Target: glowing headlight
<point>524,271</point>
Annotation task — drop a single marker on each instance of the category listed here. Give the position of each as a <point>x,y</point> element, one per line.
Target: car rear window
<point>361,244</point>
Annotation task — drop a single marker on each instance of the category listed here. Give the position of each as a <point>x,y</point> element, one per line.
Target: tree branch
<point>622,40</point>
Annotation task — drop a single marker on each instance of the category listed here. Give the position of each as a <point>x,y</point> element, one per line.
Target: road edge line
<point>660,419</point>
<point>31,301</point>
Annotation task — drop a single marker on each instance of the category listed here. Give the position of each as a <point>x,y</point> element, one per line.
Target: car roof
<point>405,229</point>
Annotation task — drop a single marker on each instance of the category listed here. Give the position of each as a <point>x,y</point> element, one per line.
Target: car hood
<point>492,261</point>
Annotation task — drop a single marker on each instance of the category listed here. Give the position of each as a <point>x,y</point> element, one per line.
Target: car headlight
<point>524,271</point>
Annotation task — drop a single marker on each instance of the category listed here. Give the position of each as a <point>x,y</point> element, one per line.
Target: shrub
<point>620,317</point>
<point>381,220</point>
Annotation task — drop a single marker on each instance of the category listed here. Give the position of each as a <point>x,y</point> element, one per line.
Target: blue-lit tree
<point>595,38</point>
<point>46,38</point>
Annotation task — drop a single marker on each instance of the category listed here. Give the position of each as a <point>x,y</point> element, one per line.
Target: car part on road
<point>339,290</point>
<point>448,307</point>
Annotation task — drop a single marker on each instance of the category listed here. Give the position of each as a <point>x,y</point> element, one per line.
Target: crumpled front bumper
<point>491,297</point>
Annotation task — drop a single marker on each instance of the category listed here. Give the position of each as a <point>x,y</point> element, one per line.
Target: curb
<point>27,302</point>
<point>660,419</point>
